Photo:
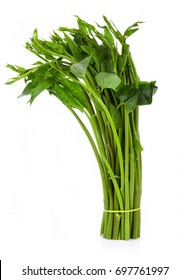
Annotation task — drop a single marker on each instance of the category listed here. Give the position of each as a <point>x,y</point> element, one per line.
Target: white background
<point>50,188</point>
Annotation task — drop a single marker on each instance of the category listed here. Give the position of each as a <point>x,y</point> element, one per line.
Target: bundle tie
<point>122,211</point>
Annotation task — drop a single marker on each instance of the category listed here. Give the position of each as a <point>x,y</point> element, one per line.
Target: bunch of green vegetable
<point>90,69</point>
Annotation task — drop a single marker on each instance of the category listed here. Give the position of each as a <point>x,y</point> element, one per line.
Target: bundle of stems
<point>90,69</point>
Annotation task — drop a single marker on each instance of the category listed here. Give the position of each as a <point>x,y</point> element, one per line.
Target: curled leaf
<point>129,96</point>
<point>146,91</point>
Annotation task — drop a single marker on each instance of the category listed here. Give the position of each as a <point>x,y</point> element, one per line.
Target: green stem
<point>115,135</point>
<point>93,145</point>
<point>102,155</point>
<point>127,170</point>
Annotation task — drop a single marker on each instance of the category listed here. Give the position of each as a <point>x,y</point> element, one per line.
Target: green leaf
<point>114,30</point>
<point>105,59</point>
<point>66,29</point>
<point>133,97</point>
<point>131,103</point>
<point>79,69</point>
<point>16,68</point>
<point>47,48</point>
<point>116,117</point>
<point>73,47</point>
<point>83,25</point>
<point>56,38</point>
<point>94,54</point>
<point>65,96</point>
<point>129,95</point>
<point>88,31</point>
<point>35,33</point>
<point>20,76</point>
<point>42,85</point>
<point>107,80</point>
<point>27,90</point>
<point>108,35</point>
<point>90,51</point>
<point>53,47</point>
<point>137,145</point>
<point>114,112</point>
<point>97,105</point>
<point>123,58</point>
<point>125,92</point>
<point>36,74</point>
<point>56,73</point>
<point>146,91</point>
<point>130,32</point>
<point>78,39</point>
<point>37,63</point>
<point>75,90</point>
<point>13,80</point>
<point>132,29</point>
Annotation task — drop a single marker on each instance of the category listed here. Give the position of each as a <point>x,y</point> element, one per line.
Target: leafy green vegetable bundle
<point>90,69</point>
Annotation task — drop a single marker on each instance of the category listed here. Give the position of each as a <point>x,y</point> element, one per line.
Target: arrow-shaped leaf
<point>79,69</point>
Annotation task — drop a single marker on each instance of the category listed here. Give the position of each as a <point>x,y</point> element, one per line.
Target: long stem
<point>93,145</point>
<point>102,155</point>
<point>127,184</point>
<point>115,135</point>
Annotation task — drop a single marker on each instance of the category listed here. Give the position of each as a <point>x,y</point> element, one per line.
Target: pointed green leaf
<point>114,30</point>
<point>132,29</point>
<point>129,95</point>
<point>107,80</point>
<point>114,112</point>
<point>79,69</point>
<point>37,74</point>
<point>105,59</point>
<point>88,31</point>
<point>27,90</point>
<point>131,103</point>
<point>116,117</point>
<point>122,60</point>
<point>137,145</point>
<point>42,85</point>
<point>97,105</point>
<point>75,90</point>
<point>37,63</point>
<point>90,51</point>
<point>66,97</point>
<point>82,25</point>
<point>66,29</point>
<point>125,92</point>
<point>53,47</point>
<point>19,77</point>
<point>146,91</point>
<point>130,32</point>
<point>56,38</point>
<point>13,80</point>
<point>16,68</point>
<point>108,35</point>
<point>35,33</point>
<point>73,47</point>
<point>78,39</point>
